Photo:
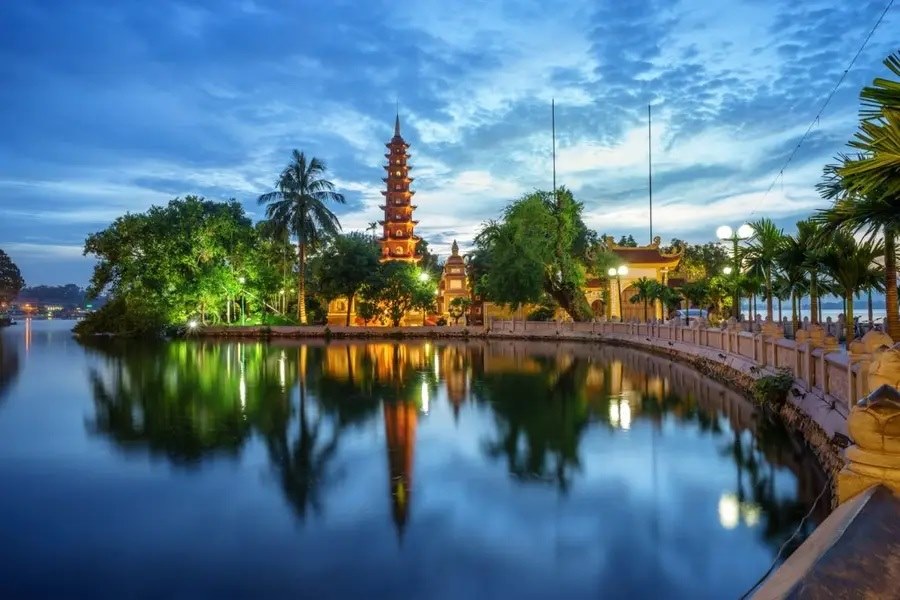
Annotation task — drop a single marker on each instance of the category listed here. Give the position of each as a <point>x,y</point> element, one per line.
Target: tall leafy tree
<point>299,205</point>
<point>539,246</point>
<point>851,265</point>
<point>11,282</point>
<point>866,186</point>
<point>762,254</point>
<point>791,260</point>
<point>348,263</point>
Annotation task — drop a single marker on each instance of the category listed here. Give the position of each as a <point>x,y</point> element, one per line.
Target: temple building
<point>398,240</point>
<point>400,419</point>
<point>453,282</point>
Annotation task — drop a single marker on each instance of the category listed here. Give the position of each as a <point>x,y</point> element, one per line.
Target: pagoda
<point>398,240</point>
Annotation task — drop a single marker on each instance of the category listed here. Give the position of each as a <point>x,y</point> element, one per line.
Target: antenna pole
<point>553,129</point>
<point>650,166</point>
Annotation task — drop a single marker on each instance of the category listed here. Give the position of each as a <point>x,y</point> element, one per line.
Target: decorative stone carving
<point>876,340</point>
<point>885,368</point>
<point>816,335</point>
<point>770,329</point>
<point>802,336</point>
<point>831,343</point>
<point>874,458</point>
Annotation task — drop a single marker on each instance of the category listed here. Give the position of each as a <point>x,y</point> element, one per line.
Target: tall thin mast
<point>553,129</point>
<point>650,167</point>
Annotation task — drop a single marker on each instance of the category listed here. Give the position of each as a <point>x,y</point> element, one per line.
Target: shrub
<point>773,389</point>
<point>441,322</point>
<point>124,317</point>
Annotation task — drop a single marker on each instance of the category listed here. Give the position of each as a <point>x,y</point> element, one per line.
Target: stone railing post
<point>874,457</point>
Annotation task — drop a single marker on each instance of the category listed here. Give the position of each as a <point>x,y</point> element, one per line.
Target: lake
<point>383,470</point>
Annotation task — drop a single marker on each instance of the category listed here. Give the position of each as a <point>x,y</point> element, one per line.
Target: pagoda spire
<point>397,125</point>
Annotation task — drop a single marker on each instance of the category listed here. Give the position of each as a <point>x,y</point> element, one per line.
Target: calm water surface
<point>383,470</point>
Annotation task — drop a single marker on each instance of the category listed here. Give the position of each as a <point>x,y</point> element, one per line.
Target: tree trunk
<point>848,318</point>
<point>645,311</point>
<point>349,305</point>
<point>813,298</point>
<point>890,282</point>
<point>769,307</point>
<point>301,284</point>
<point>779,309</point>
<point>795,304</point>
<point>228,310</point>
<point>572,301</point>
<point>871,312</point>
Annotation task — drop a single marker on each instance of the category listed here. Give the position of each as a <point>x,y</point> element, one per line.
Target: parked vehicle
<point>692,315</point>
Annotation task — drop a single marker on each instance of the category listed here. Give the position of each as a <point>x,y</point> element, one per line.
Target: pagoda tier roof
<point>389,167</point>
<point>386,192</point>
<point>395,141</point>
<point>404,155</point>
<point>409,179</point>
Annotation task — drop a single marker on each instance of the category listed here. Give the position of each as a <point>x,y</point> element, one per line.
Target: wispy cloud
<point>117,107</point>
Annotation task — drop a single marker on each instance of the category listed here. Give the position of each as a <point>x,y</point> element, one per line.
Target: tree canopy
<point>11,281</point>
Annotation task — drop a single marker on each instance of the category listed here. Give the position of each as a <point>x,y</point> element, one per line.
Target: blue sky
<point>107,107</point>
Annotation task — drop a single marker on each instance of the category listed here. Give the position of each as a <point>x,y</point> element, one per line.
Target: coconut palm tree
<point>645,293</point>
<point>792,261</point>
<point>762,253</point>
<point>852,266</point>
<point>810,237</point>
<point>299,205</point>
<point>866,187</point>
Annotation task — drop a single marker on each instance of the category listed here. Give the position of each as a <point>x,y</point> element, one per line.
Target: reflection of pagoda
<point>400,420</point>
<point>453,367</point>
<point>398,241</point>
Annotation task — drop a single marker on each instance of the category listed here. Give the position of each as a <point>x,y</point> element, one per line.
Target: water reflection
<point>192,401</point>
<point>9,365</point>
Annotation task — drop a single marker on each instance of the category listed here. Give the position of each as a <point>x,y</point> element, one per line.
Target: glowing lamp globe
<point>611,272</point>
<point>723,232</point>
<point>745,231</point>
<point>623,270</point>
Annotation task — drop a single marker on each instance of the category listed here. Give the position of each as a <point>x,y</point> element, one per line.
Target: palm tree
<point>866,187</point>
<point>852,266</point>
<point>810,239</point>
<point>373,227</point>
<point>645,288</point>
<point>762,254</point>
<point>298,205</point>
<point>792,259</point>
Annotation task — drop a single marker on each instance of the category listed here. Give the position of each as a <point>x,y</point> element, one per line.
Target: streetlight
<point>424,276</point>
<point>725,233</point>
<point>618,273</point>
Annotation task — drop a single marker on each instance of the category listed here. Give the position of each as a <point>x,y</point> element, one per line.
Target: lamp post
<point>617,273</point>
<point>726,234</point>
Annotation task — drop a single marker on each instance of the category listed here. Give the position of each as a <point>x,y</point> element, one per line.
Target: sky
<point>109,107</point>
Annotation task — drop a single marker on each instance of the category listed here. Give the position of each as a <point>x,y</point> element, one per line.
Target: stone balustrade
<point>817,363</point>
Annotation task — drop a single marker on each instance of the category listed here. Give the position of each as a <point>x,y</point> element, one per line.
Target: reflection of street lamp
<point>725,233</point>
<point>617,273</point>
<point>242,281</point>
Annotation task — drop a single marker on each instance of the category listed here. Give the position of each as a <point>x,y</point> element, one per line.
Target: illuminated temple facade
<point>399,242</point>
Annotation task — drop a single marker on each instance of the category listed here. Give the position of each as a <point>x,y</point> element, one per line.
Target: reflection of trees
<point>9,366</point>
<point>540,417</point>
<point>303,462</point>
<point>187,401</point>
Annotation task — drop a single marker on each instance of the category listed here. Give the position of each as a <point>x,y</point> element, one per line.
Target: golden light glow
<point>425,400</point>
<point>729,511</point>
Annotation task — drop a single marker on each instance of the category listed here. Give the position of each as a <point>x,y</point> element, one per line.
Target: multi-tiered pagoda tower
<point>398,240</point>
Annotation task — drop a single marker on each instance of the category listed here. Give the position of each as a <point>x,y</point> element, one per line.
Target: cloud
<point>115,108</point>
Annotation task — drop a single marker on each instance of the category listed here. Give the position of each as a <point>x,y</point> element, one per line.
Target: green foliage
<point>11,281</point>
<point>347,264</point>
<point>700,261</point>
<point>540,246</point>
<point>545,312</point>
<point>628,242</point>
<point>299,206</point>
<point>773,389</point>
<point>174,262</point>
<point>697,293</point>
<point>398,289</point>
<point>125,316</point>
<point>459,307</point>
<point>367,310</point>
<point>762,254</point>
